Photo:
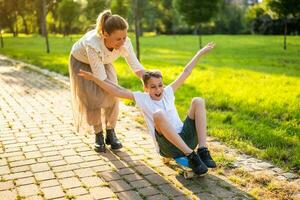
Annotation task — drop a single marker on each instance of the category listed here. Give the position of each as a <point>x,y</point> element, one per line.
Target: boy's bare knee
<point>198,101</point>
<point>158,115</point>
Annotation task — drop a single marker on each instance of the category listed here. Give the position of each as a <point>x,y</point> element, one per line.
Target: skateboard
<point>183,164</point>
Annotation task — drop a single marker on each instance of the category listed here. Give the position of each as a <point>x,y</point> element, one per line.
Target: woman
<point>95,52</point>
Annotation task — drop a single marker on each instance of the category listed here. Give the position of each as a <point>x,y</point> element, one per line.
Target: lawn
<point>251,85</point>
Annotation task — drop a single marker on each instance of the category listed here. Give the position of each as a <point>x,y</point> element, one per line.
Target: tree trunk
<point>44,27</point>
<point>1,38</point>
<point>137,28</point>
<point>285,32</point>
<point>25,25</point>
<point>199,36</point>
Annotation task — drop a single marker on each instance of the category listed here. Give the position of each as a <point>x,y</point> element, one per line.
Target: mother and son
<point>94,89</point>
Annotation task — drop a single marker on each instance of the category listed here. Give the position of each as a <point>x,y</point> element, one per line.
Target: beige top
<point>90,49</point>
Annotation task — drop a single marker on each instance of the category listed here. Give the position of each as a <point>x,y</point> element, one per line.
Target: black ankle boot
<point>196,164</point>
<point>111,139</point>
<point>99,142</point>
<point>205,156</point>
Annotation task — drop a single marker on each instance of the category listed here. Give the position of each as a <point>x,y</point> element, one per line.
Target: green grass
<point>251,85</point>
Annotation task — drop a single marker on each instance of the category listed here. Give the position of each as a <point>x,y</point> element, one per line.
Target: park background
<point>250,80</point>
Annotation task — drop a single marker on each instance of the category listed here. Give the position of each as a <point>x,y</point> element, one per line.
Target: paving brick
<point>29,148</point>
<point>73,159</point>
<point>84,172</point>
<point>39,167</point>
<point>70,182</point>
<point>22,163</point>
<point>158,197</point>
<point>53,192</point>
<point>110,176</point>
<point>25,181</point>
<point>45,175</point>
<point>85,197</point>
<point>125,171</point>
<point>8,194</point>
<point>5,185</point>
<point>33,154</point>
<point>49,183</point>
<point>18,175</point>
<point>77,191</point>
<point>148,191</point>
<point>101,192</point>
<point>4,170</point>
<point>92,181</point>
<point>170,189</point>
<point>57,163</point>
<point>28,190</point>
<point>140,183</point>
<point>144,170</point>
<point>132,177</point>
<point>129,195</point>
<point>66,174</point>
<point>35,197</point>
<point>119,186</point>
<point>16,158</point>
<point>20,169</point>
<point>156,179</point>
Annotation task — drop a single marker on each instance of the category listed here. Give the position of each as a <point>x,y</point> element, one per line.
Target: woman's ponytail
<point>106,22</point>
<point>103,16</point>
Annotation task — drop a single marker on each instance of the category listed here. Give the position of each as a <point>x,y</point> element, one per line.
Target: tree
<point>68,12</point>
<point>44,27</point>
<point>120,7</point>
<point>196,12</point>
<point>137,12</point>
<point>285,9</point>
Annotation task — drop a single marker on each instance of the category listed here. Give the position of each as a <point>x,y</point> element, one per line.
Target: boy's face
<point>155,88</point>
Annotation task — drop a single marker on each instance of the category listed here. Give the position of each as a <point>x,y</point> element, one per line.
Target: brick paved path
<point>42,157</point>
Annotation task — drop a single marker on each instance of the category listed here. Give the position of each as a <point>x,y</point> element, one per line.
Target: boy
<point>171,137</point>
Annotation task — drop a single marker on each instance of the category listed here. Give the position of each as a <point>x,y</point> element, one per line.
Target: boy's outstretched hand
<point>86,75</point>
<point>207,48</point>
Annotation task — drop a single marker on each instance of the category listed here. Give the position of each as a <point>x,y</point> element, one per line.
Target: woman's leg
<point>163,126</point>
<point>197,112</point>
<point>111,115</point>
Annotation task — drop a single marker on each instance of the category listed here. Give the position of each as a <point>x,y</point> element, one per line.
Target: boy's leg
<point>197,112</point>
<point>163,126</point>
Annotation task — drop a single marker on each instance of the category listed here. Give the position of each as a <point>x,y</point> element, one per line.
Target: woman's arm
<point>108,86</point>
<point>190,66</point>
<point>132,60</point>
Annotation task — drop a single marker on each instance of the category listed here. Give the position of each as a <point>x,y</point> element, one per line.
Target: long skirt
<point>88,99</point>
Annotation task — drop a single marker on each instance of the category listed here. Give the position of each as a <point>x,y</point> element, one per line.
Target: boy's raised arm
<point>190,66</point>
<point>108,86</point>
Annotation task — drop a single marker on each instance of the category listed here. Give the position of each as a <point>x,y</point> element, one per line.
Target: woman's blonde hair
<point>107,22</point>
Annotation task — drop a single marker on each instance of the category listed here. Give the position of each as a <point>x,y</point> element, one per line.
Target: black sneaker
<point>204,154</point>
<point>196,164</point>
<point>111,139</point>
<point>99,142</point>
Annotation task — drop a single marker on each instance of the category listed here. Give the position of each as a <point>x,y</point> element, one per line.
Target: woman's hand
<point>207,48</point>
<point>86,75</point>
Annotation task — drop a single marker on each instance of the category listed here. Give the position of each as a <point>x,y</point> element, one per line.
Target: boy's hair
<point>148,74</point>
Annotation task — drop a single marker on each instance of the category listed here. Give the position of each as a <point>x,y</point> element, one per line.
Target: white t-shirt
<point>166,104</point>
<point>90,49</point>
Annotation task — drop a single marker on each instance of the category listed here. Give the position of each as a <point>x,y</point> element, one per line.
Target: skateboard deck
<point>183,164</point>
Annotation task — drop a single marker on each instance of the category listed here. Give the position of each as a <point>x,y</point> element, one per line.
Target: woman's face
<point>116,39</point>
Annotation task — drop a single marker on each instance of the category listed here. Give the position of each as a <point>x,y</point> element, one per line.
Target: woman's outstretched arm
<point>112,89</point>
